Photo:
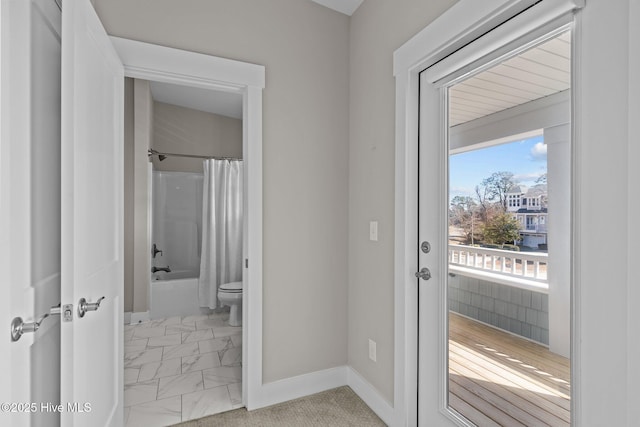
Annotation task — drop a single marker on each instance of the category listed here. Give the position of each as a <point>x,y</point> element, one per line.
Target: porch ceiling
<point>536,73</point>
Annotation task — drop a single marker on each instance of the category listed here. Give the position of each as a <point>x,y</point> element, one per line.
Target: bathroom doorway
<point>182,354</point>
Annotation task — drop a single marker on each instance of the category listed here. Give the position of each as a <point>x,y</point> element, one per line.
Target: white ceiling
<point>536,73</point>
<point>216,102</point>
<point>344,6</point>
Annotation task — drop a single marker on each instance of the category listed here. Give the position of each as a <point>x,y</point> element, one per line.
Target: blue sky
<point>527,159</point>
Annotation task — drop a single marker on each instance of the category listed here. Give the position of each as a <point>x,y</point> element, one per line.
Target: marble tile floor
<point>181,368</point>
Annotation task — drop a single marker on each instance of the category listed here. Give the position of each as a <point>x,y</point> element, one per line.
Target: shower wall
<point>177,220</point>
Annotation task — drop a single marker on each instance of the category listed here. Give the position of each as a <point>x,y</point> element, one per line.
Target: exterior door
<point>432,228</point>
<point>92,221</point>
<point>30,209</point>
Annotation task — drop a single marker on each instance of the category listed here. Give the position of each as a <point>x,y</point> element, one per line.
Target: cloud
<point>539,152</point>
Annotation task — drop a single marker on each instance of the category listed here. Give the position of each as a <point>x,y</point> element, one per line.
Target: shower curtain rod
<point>162,156</point>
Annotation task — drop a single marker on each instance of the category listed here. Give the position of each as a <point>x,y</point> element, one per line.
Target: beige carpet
<point>333,408</point>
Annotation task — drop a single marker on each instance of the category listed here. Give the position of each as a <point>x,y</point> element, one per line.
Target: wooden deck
<point>498,379</point>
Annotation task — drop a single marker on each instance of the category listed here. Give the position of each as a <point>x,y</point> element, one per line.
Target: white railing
<point>523,265</point>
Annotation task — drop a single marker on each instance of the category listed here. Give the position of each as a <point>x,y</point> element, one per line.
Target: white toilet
<point>231,294</point>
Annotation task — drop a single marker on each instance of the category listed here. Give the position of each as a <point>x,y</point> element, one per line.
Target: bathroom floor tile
<point>142,332</point>
<point>231,356</point>
<point>165,368</point>
<point>134,348</point>
<point>139,358</point>
<point>173,369</point>
<point>215,344</point>
<point>236,339</point>
<point>158,413</point>
<point>137,342</point>
<point>235,393</point>
<point>208,324</point>
<point>200,362</point>
<point>164,340</point>
<point>206,402</point>
<point>226,331</point>
<point>137,393</point>
<point>178,329</point>
<point>180,384</point>
<point>200,335</point>
<point>194,318</point>
<point>223,375</point>
<point>162,322</point>
<point>131,375</point>
<point>181,350</point>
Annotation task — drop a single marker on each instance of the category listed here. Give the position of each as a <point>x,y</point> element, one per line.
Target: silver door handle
<point>84,306</point>
<point>424,274</point>
<point>19,326</point>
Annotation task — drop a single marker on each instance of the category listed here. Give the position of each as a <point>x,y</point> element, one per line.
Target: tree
<point>497,186</point>
<point>483,195</point>
<point>542,179</point>
<point>462,213</point>
<point>501,229</point>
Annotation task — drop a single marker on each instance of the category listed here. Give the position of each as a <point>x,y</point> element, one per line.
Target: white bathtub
<point>175,294</point>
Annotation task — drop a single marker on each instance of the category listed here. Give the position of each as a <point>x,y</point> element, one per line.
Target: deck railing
<point>526,265</point>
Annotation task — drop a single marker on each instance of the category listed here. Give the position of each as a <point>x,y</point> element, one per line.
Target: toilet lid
<point>231,287</point>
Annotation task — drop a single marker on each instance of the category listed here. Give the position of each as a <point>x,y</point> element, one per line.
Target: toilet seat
<point>231,288</point>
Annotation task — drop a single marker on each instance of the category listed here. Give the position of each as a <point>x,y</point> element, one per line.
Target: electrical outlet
<point>373,231</point>
<point>372,349</point>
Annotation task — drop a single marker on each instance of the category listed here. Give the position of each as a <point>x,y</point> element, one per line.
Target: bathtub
<point>175,294</point>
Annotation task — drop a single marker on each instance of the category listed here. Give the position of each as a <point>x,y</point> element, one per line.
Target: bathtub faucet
<point>156,269</point>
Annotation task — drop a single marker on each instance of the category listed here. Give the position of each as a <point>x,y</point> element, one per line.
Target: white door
<point>432,228</point>
<point>92,218</point>
<point>30,208</point>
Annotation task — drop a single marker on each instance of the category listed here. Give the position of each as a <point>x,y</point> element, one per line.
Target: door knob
<point>84,306</point>
<point>424,274</point>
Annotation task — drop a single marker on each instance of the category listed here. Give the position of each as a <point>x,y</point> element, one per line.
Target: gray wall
<point>128,194</point>
<point>142,137</point>
<point>519,311</point>
<point>378,28</point>
<point>183,130</point>
<point>305,49</point>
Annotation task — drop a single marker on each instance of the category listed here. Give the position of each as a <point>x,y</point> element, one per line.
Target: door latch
<point>424,274</point>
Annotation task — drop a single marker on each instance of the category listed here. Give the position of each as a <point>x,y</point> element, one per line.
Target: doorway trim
<point>164,64</point>
<point>463,23</point>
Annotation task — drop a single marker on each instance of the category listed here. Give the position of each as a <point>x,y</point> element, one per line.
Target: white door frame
<point>461,24</point>
<point>168,65</point>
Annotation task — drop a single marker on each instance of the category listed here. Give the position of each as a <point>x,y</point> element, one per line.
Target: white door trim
<point>462,23</point>
<point>164,64</point>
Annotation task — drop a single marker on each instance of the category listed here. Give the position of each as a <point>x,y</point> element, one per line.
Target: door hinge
<point>246,263</point>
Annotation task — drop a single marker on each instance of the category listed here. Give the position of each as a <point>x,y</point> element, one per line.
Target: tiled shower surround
<point>181,368</point>
<point>520,311</point>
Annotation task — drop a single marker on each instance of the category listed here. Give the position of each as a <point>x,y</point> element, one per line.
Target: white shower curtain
<point>221,260</point>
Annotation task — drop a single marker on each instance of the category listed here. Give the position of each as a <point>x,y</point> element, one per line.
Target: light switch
<point>373,231</point>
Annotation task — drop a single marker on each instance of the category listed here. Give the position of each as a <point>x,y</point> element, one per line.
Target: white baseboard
<point>140,317</point>
<point>300,386</point>
<point>370,396</point>
<point>316,382</point>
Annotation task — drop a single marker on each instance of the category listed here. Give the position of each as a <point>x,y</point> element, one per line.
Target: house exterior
<point>529,207</point>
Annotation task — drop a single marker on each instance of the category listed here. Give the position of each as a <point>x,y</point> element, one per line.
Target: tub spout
<point>155,269</point>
